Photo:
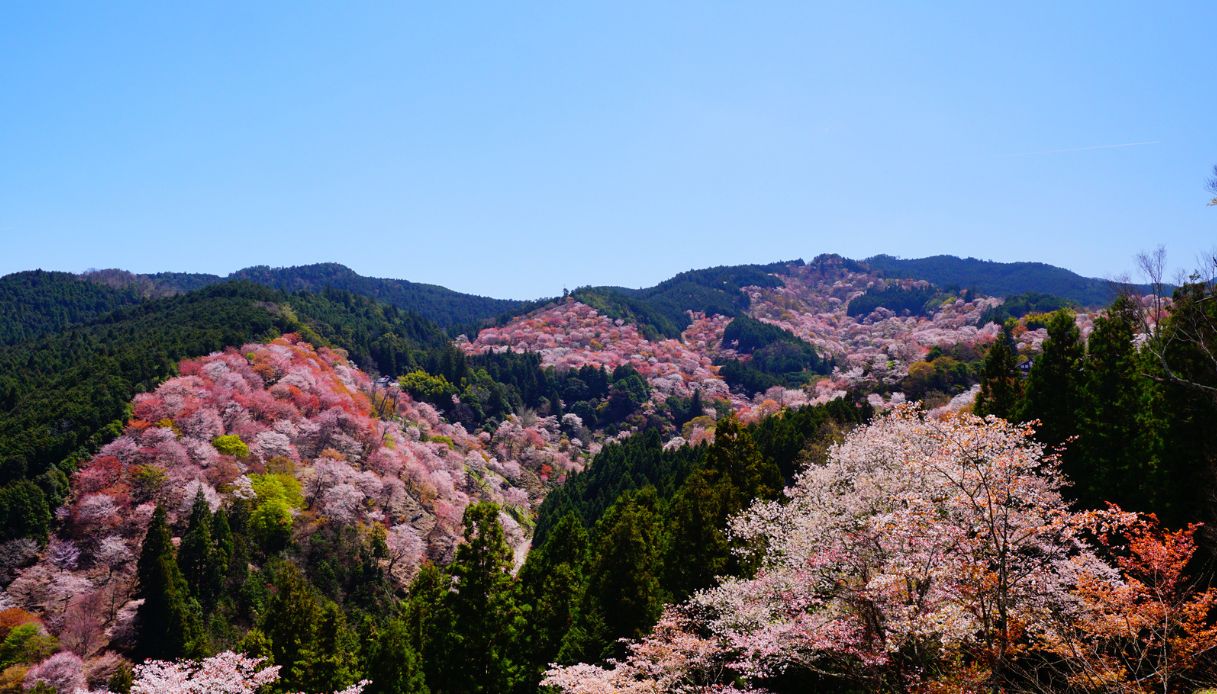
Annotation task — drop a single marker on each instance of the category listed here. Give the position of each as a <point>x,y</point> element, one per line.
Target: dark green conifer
<point>169,620</point>
<point>483,605</point>
<point>1000,387</point>
<point>1053,392</point>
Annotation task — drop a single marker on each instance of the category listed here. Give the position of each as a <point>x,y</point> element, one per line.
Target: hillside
<point>1002,279</point>
<point>38,303</point>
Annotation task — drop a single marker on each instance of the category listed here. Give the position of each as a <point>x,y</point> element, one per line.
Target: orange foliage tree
<point>1151,630</point>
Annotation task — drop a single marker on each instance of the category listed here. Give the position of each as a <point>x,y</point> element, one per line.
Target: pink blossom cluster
<point>876,348</point>
<point>570,334</point>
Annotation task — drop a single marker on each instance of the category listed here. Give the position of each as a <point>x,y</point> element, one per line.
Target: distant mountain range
<point>35,303</point>
<point>444,306</point>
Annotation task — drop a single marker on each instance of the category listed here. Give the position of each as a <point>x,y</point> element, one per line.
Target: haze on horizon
<point>514,150</point>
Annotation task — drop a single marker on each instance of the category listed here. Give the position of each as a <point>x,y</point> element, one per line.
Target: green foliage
<point>941,375</point>
<point>231,444</point>
<point>202,557</point>
<point>24,511</point>
<point>26,644</point>
<point>278,486</point>
<point>427,388</point>
<point>38,303</point>
<point>914,300</point>
<point>662,310</point>
<point>486,619</point>
<point>170,620</point>
<point>271,524</point>
<point>1022,305</point>
<point>551,583</point>
<point>391,661</point>
<point>1118,462</point>
<point>1053,393</point>
<point>778,357</point>
<point>1000,387</point>
<point>309,637</point>
<point>624,596</point>
<point>434,303</point>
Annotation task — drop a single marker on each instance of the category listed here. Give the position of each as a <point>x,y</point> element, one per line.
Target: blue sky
<point>513,149</point>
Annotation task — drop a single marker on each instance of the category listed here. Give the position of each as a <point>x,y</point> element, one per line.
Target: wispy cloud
<point>1091,148</point>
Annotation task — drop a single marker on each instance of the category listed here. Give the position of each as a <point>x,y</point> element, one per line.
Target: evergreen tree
<point>733,476</point>
<point>1117,467</point>
<point>735,458</point>
<point>697,549</point>
<point>391,662</point>
<point>1054,388</point>
<point>999,383</point>
<point>199,556</point>
<point>330,662</point>
<point>624,596</point>
<point>483,606</point>
<point>169,620</point>
<point>290,623</point>
<point>552,581</point>
<point>429,625</point>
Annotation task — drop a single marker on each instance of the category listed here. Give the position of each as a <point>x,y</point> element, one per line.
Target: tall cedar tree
<point>391,661</point>
<point>551,582</point>
<point>429,624</point>
<point>624,595</point>
<point>169,620</point>
<point>1053,392</point>
<point>204,564</point>
<point>1117,466</point>
<point>483,606</point>
<point>733,476</point>
<point>999,383</point>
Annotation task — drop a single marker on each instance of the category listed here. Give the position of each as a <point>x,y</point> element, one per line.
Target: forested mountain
<point>438,304</point>
<point>663,310</point>
<point>1004,279</point>
<point>37,303</point>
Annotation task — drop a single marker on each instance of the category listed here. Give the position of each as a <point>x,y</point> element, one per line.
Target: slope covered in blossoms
<point>873,349</point>
<point>267,423</point>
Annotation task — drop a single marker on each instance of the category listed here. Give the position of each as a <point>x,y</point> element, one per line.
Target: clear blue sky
<point>515,148</point>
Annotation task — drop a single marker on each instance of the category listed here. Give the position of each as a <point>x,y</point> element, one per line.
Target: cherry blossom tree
<point>920,545</point>
<point>224,673</point>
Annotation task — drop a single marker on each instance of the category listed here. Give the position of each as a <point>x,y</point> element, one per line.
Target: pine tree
<point>624,595</point>
<point>999,383</point>
<point>1054,389</point>
<point>391,662</point>
<point>199,557</point>
<point>290,623</point>
<point>429,624</point>
<point>1116,466</point>
<point>483,605</point>
<point>170,621</point>
<point>552,582</point>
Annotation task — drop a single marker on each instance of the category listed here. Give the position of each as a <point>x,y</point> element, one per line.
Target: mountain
<point>1003,279</point>
<point>63,394</point>
<point>444,306</point>
<point>663,310</point>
